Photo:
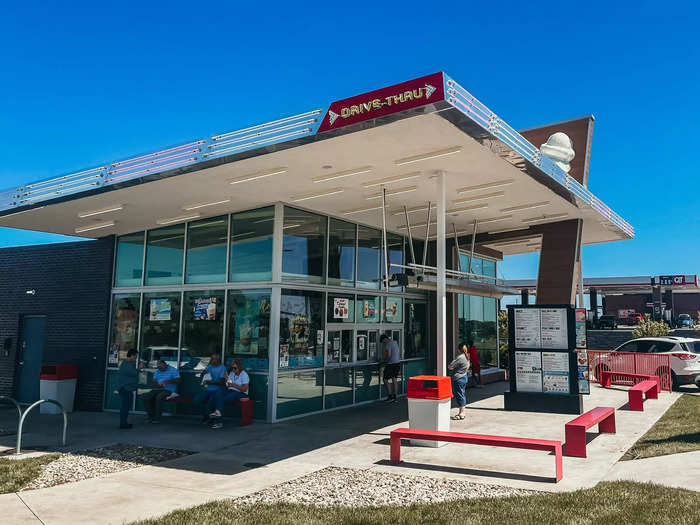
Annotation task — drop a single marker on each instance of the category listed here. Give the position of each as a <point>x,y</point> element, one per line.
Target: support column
<point>441,299</point>
<point>558,268</point>
<point>525,296</point>
<point>593,294</point>
<point>656,299</point>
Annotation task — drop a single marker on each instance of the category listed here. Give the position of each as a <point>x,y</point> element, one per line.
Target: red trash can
<point>57,382</point>
<point>429,401</point>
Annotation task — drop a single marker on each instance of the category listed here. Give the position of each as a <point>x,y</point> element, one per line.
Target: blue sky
<point>81,84</point>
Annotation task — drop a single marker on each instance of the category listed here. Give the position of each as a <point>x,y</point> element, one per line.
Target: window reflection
<point>368,248</point>
<point>164,255</point>
<point>301,329</point>
<point>203,328</point>
<point>394,244</point>
<point>299,393</point>
<point>160,328</point>
<point>125,323</point>
<point>129,267</point>
<point>416,329</point>
<point>341,253</point>
<point>249,328</point>
<point>206,250</point>
<point>251,245</point>
<point>304,246</point>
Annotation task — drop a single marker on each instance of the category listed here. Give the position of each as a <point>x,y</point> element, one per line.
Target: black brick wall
<point>72,283</point>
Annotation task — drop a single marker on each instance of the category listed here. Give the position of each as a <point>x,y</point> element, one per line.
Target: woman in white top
<point>237,383</point>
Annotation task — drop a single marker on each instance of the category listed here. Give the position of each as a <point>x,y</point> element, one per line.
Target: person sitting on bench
<point>213,379</point>
<point>236,388</point>
<point>165,381</point>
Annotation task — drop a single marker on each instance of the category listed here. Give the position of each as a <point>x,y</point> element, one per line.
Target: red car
<point>635,318</point>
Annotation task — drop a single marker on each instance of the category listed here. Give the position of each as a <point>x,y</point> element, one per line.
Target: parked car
<point>684,321</point>
<point>635,318</point>
<point>607,321</point>
<point>684,355</point>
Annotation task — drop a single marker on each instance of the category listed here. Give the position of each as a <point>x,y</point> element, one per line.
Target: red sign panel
<point>674,280</point>
<point>385,101</point>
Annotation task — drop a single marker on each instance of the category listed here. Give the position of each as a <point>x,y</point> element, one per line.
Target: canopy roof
<point>334,161</point>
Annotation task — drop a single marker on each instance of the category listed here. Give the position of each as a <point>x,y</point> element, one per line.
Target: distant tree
<point>503,337</point>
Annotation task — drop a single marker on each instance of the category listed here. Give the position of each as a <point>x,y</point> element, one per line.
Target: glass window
<point>164,255</point>
<point>366,383</point>
<point>129,268</point>
<point>206,250</point>
<point>302,329</point>
<point>368,309</point>
<point>395,248</point>
<point>202,328</point>
<point>393,309</point>
<point>416,329</point>
<point>341,253</point>
<point>368,249</point>
<point>304,246</point>
<point>160,328</point>
<point>341,308</point>
<point>338,387</point>
<point>249,328</point>
<point>125,324</point>
<point>476,308</point>
<point>299,393</point>
<point>339,347</point>
<point>251,245</point>
<point>489,267</point>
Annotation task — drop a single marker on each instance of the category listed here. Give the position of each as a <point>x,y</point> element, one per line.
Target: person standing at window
<point>127,384</point>
<point>460,370</point>
<point>476,364</point>
<point>392,368</point>
<point>213,379</point>
<point>236,388</point>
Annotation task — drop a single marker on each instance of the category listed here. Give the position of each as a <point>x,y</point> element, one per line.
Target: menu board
<point>527,328</point>
<point>553,328</point>
<point>580,328</point>
<point>528,371</point>
<point>584,384</point>
<point>555,372</point>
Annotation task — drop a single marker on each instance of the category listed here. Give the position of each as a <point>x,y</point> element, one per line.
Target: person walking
<point>392,368</point>
<point>460,370</point>
<point>475,364</point>
<point>127,384</point>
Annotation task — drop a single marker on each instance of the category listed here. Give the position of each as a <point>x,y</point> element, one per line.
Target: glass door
<point>339,346</point>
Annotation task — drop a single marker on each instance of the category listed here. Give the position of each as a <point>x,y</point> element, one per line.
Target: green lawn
<point>16,473</point>
<point>678,430</point>
<point>609,503</point>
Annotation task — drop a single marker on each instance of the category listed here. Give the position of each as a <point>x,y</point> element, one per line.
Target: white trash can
<point>429,402</point>
<point>57,382</point>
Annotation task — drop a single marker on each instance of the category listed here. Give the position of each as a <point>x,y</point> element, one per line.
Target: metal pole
<point>410,237</point>
<point>386,250</point>
<point>427,233</point>
<point>471,255</point>
<point>441,285</point>
<point>459,258</point>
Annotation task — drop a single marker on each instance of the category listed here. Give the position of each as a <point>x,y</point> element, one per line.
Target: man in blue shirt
<point>213,379</point>
<point>165,381</point>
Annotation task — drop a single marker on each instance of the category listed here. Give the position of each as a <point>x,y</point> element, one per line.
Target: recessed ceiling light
<point>508,230</point>
<point>309,196</point>
<point>258,175</point>
<point>414,209</point>
<point>397,191</point>
<point>428,156</point>
<point>493,219</point>
<point>480,197</point>
<point>391,180</point>
<point>487,186</point>
<point>191,207</point>
<point>342,174</point>
<point>116,207</point>
<point>361,210</point>
<point>96,226</point>
<point>525,207</point>
<point>181,218</point>
<point>544,218</point>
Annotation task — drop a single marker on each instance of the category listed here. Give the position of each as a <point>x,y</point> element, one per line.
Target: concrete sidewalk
<point>675,470</point>
<point>238,461</point>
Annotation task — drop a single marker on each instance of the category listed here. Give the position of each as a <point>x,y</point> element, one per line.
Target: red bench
<point>607,375</point>
<point>245,403</point>
<point>475,439</point>
<point>636,393</point>
<point>575,430</point>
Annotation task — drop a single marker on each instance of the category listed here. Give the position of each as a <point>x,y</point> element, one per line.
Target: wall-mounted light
<point>31,292</point>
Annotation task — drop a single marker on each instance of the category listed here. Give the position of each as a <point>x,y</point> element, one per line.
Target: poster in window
<point>369,310</point>
<point>284,356</point>
<point>246,326</point>
<point>584,384</point>
<point>204,309</point>
<point>160,310</point>
<point>113,356</point>
<point>553,328</point>
<point>341,308</point>
<point>528,371</point>
<point>527,328</point>
<point>361,343</point>
<point>555,372</point>
<point>392,311</point>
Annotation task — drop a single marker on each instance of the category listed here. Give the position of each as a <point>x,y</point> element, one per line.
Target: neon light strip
<point>151,170</point>
<point>261,134</point>
<point>155,161</point>
<point>256,143</point>
<point>266,125</point>
<point>63,177</point>
<point>157,153</point>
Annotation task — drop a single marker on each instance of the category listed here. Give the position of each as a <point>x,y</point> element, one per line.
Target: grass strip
<point>678,430</point>
<point>16,473</point>
<point>609,503</point>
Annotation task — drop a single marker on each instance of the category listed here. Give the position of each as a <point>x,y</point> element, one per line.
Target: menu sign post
<point>544,365</point>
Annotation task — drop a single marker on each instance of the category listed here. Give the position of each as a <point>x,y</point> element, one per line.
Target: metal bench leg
<point>395,453</point>
<point>607,426</point>
<point>575,441</point>
<point>559,462</point>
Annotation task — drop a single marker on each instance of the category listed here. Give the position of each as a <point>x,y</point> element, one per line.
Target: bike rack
<point>29,409</point>
<point>11,400</point>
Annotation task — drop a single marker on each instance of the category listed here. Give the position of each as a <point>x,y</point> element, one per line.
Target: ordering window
<point>302,329</point>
